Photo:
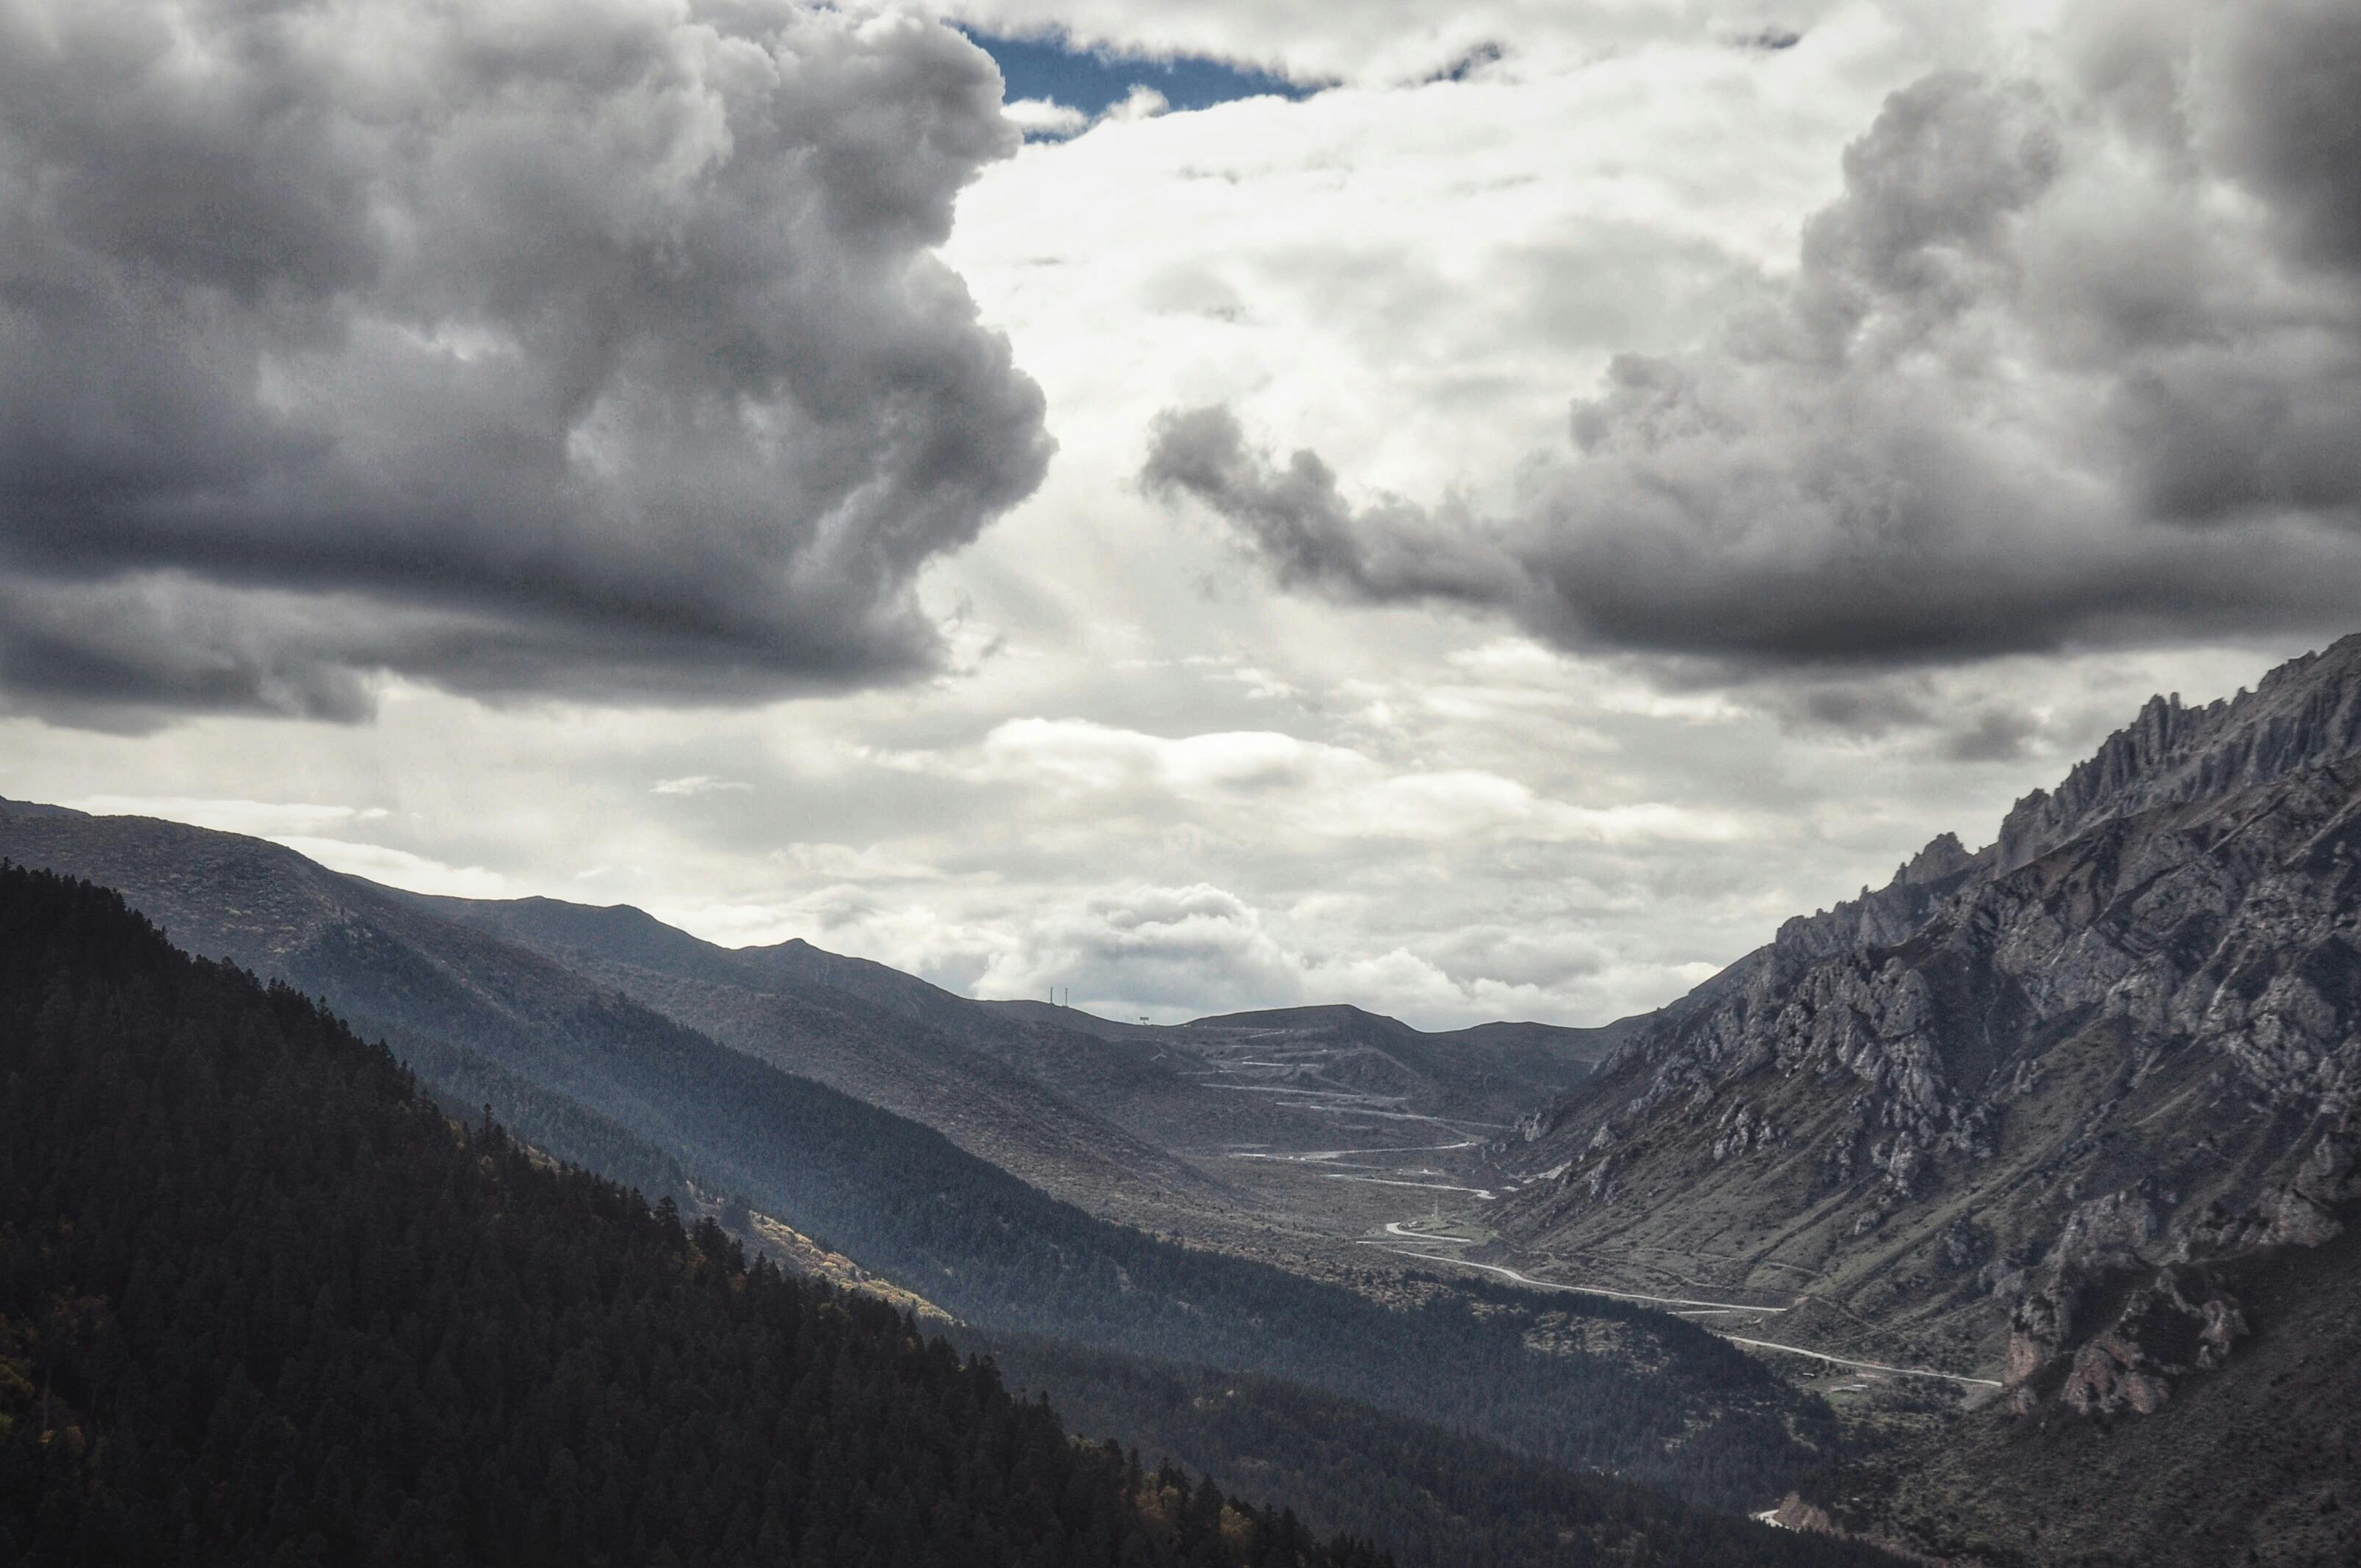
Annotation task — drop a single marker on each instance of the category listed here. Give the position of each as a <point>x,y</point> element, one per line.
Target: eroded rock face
<point>2182,1319</point>
<point>1795,1513</point>
<point>2331,1174</point>
<point>2039,1326</point>
<point>2306,711</point>
<point>2114,1016</point>
<point>2297,1214</point>
<point>2179,1323</point>
<point>1741,1130</point>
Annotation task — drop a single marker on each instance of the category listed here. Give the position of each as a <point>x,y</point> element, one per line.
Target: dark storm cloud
<point>2026,387</point>
<point>523,347</point>
<point>1994,735</point>
<point>1297,520</point>
<point>2289,83</point>
<point>1862,708</point>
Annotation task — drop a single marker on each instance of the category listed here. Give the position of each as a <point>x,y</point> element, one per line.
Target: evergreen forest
<point>597,1077</point>
<point>263,1302</point>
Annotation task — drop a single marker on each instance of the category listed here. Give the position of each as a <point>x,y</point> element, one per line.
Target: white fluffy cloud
<point>699,783</point>
<point>1043,117</point>
<point>2072,358</point>
<point>1167,948</point>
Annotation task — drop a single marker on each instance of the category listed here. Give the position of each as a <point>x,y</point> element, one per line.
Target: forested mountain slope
<point>261,1302</point>
<point>399,962</point>
<point>1622,1390</point>
<point>1438,1498</point>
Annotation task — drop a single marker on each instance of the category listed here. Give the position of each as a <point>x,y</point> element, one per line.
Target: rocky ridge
<point>2023,1104</point>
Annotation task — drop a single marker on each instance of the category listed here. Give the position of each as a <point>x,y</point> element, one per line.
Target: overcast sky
<point>1477,510</point>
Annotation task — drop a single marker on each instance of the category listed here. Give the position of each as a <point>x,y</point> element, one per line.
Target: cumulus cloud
<point>519,347</point>
<point>2074,360</point>
<point>1170,945</point>
<point>1906,707</point>
<point>1142,102</point>
<point>1178,952</point>
<point>1048,118</point>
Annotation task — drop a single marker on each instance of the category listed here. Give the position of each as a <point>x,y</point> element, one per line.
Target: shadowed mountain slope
<point>1150,1081</point>
<point>1644,1395</point>
<point>279,1310</point>
<point>266,1291</point>
<point>1069,1111</point>
<point>470,977</point>
<point>2257,1461</point>
<point>1437,1498</point>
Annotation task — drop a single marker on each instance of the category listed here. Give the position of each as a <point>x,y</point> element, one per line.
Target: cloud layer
<point>1384,43</point>
<point>517,346</point>
<point>1152,779</point>
<point>2070,361</point>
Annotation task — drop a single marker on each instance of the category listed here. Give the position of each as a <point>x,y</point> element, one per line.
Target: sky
<point>1476,512</point>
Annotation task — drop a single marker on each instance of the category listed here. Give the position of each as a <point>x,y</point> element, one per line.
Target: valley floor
<point>1360,1189</point>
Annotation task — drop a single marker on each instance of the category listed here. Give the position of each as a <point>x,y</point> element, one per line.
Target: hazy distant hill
<point>1487,1070</point>
<point>1130,1121</point>
<point>283,915</point>
<point>1150,1081</point>
<point>1061,1108</point>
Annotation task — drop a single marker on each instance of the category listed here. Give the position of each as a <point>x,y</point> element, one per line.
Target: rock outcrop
<point>2016,1090</point>
<point>2180,1321</point>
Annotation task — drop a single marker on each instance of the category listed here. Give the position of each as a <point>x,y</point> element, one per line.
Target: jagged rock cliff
<point>2054,1082</point>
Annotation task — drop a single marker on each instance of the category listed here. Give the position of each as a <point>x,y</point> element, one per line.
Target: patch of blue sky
<point>1095,81</point>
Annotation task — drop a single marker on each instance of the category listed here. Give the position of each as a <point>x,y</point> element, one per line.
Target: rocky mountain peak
<point>2041,1072</point>
<point>1943,856</point>
<point>1884,915</point>
<point>2306,711</point>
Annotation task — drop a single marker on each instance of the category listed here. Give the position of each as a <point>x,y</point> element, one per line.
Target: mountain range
<point>2051,1152</point>
<point>2076,1111</point>
<point>528,1013</point>
<point>262,1302</point>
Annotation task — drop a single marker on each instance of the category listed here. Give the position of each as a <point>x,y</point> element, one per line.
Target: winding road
<point>1483,1194</point>
<point>1328,1161</point>
<point>1524,1278</point>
